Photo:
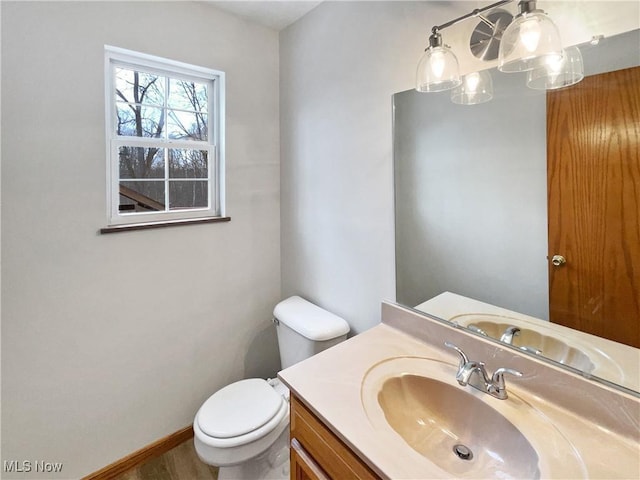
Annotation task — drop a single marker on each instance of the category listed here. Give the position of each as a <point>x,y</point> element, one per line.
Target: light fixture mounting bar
<point>473,13</point>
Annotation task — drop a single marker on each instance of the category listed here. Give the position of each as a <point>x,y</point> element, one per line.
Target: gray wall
<point>339,66</point>
<point>110,342</point>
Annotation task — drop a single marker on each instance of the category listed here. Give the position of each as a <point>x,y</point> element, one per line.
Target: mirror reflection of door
<point>593,174</point>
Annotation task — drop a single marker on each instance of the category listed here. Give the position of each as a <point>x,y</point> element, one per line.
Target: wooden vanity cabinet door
<point>316,453</point>
<point>303,467</point>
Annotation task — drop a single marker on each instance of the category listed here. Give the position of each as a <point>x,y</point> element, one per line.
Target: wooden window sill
<point>162,224</point>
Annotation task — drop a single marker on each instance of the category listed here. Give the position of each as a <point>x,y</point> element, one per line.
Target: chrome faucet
<point>474,374</point>
<point>509,333</point>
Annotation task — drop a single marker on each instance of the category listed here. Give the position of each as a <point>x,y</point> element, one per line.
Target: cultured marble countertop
<point>330,384</point>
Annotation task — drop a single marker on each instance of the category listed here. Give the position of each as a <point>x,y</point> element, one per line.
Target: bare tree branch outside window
<point>154,106</point>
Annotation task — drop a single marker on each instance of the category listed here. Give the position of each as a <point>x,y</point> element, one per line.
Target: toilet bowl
<point>243,428</point>
<point>247,420</point>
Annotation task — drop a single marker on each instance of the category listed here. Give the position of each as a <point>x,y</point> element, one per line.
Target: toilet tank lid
<point>309,320</point>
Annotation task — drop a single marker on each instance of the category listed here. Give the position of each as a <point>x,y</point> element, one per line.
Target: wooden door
<point>593,176</point>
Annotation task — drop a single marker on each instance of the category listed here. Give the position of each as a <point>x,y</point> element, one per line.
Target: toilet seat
<point>240,413</point>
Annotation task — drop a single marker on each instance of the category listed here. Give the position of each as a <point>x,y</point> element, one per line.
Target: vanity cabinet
<point>317,454</point>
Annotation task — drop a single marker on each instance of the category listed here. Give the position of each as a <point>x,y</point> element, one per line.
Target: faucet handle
<point>475,328</point>
<point>463,356</point>
<point>497,387</point>
<point>535,351</point>
<point>498,375</point>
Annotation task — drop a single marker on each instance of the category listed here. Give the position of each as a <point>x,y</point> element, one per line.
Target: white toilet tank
<point>305,329</point>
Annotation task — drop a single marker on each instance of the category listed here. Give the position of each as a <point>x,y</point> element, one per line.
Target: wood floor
<point>180,463</point>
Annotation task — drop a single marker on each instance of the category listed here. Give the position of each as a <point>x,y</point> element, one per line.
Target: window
<point>165,125</point>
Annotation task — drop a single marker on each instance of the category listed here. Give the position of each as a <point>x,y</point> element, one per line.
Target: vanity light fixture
<point>558,72</point>
<point>438,68</point>
<point>530,41</point>
<point>476,87</point>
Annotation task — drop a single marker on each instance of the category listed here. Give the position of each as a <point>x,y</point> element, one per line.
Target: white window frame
<point>120,57</point>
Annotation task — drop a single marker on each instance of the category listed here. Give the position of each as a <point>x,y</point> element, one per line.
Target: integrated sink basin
<point>464,432</point>
<point>455,430</point>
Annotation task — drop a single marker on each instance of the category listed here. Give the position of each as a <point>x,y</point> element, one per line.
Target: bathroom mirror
<point>471,204</point>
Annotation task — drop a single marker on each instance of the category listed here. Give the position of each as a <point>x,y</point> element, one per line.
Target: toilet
<point>243,428</point>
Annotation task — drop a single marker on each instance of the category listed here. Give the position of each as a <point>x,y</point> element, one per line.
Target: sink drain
<point>463,452</point>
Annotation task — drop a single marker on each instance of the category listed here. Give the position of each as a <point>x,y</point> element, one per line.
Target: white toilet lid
<point>239,408</point>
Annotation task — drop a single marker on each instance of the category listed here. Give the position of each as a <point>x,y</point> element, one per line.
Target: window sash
<point>165,108</point>
<point>212,179</point>
<point>115,57</point>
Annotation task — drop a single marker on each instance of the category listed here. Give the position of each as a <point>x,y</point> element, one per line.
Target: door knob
<point>558,260</point>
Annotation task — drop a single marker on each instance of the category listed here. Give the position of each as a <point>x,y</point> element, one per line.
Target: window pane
<point>185,194</point>
<point>187,125</point>
<point>145,196</point>
<point>139,87</point>
<point>140,162</point>
<point>185,95</point>
<point>185,163</point>
<point>138,121</point>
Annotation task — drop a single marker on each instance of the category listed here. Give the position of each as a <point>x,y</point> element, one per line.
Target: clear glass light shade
<point>528,42</point>
<point>558,73</point>
<point>437,70</point>
<point>476,87</point>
